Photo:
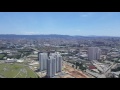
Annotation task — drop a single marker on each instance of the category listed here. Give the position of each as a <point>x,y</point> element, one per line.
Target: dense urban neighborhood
<point>59,56</point>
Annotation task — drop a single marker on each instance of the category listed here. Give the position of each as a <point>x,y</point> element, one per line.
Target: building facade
<point>51,67</point>
<point>43,61</point>
<point>54,64</point>
<point>94,53</point>
<point>59,63</point>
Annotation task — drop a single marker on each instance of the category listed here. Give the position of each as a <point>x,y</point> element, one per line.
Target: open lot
<point>16,70</point>
<point>74,72</point>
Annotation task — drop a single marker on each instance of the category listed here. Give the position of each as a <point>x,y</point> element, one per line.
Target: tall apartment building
<point>43,61</point>
<point>94,53</point>
<point>58,58</point>
<point>54,64</point>
<point>59,63</point>
<point>51,67</point>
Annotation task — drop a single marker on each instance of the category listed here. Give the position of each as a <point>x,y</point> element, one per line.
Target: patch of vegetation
<point>14,56</point>
<point>80,66</point>
<point>26,53</point>
<point>119,75</point>
<point>116,69</point>
<point>2,56</point>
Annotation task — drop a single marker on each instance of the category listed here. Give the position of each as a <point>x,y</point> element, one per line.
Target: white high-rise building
<point>51,67</point>
<point>54,64</point>
<point>58,58</point>
<point>43,61</point>
<point>94,53</point>
<point>59,63</point>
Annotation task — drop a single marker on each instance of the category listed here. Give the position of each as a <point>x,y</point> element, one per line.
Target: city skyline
<point>63,23</point>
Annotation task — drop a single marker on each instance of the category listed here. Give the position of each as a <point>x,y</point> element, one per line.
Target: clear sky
<point>66,23</point>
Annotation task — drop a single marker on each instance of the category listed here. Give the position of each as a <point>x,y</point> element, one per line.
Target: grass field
<point>16,71</point>
<point>1,56</point>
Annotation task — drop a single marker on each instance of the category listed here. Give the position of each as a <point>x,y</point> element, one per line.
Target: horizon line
<point>66,35</point>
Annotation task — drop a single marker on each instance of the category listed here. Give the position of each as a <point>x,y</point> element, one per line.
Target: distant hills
<point>33,36</point>
<point>47,36</point>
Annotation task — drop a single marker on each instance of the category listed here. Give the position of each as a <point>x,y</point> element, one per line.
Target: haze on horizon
<point>64,23</point>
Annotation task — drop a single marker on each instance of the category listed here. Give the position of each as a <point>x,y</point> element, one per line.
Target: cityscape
<point>32,54</point>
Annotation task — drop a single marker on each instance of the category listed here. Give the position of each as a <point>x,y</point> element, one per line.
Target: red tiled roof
<point>92,67</point>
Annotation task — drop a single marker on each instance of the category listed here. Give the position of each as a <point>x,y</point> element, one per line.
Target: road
<point>33,71</point>
<point>35,49</point>
<point>17,74</point>
<point>97,75</point>
<point>109,69</point>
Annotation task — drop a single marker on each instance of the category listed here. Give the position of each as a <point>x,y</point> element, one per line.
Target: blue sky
<point>66,23</point>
